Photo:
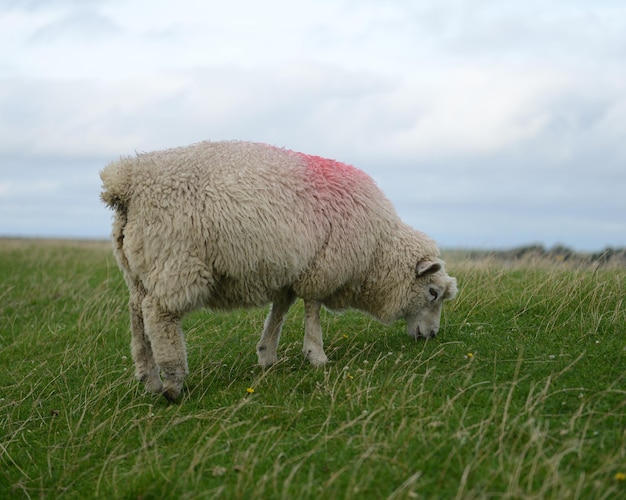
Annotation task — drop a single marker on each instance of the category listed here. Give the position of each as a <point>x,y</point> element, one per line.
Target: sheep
<point>233,224</point>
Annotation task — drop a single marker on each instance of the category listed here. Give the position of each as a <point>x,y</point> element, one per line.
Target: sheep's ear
<point>425,267</point>
<point>451,289</point>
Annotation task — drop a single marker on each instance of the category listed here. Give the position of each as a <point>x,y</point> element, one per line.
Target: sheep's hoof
<point>152,384</point>
<point>316,359</point>
<point>266,355</point>
<point>268,364</point>
<point>266,361</point>
<point>171,393</point>
<point>319,362</point>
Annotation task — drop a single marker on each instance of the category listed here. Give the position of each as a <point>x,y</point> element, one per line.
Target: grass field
<point>523,394</point>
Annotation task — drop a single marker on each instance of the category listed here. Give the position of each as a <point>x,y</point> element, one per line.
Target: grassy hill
<point>523,394</point>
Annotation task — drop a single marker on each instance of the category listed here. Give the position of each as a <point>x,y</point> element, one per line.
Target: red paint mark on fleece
<point>333,171</point>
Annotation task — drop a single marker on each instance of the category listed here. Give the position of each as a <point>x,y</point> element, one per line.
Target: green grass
<point>523,395</point>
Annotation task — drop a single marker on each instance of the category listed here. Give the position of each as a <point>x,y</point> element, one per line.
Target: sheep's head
<point>432,286</point>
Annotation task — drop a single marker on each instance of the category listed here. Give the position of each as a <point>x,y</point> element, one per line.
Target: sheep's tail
<point>116,193</point>
<point>117,184</point>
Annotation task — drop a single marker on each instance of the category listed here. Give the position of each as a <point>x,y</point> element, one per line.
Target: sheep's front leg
<point>168,346</point>
<point>313,343</point>
<point>146,369</point>
<point>267,347</point>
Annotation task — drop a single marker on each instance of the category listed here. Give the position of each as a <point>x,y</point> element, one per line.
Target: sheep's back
<point>248,219</point>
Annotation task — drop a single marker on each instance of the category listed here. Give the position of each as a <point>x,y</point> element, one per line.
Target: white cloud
<point>461,112</point>
<point>82,25</point>
<point>469,111</point>
<point>24,189</point>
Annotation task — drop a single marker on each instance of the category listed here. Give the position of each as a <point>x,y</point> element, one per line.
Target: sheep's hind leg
<point>168,346</point>
<point>146,370</point>
<point>267,347</point>
<point>313,343</point>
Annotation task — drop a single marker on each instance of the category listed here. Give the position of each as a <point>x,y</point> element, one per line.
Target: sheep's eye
<point>433,293</point>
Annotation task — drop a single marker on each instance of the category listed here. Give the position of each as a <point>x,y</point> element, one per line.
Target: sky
<point>488,123</point>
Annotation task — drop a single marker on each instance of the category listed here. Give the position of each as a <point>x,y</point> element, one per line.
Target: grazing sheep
<point>237,224</point>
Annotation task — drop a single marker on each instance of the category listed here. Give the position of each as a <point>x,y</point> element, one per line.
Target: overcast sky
<point>488,123</point>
